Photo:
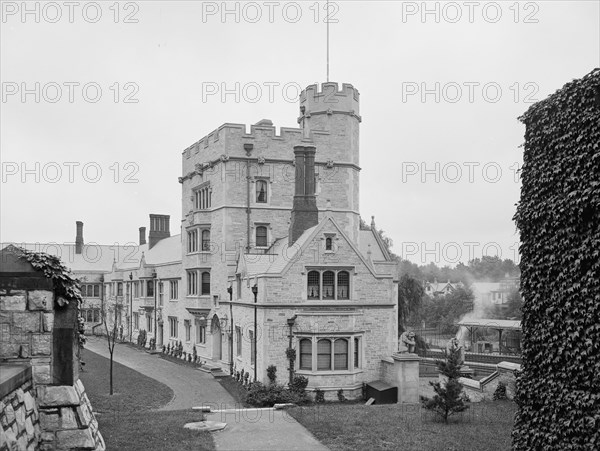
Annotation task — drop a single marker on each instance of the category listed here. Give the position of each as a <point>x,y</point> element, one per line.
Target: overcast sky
<point>126,89</point>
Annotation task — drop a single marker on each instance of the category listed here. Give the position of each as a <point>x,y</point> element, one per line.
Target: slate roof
<point>100,258</point>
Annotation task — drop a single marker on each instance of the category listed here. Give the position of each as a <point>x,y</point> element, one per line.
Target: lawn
<point>127,419</point>
<point>485,426</point>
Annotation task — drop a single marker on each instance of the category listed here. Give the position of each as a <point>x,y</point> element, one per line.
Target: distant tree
<point>449,397</point>
<point>410,297</point>
<point>111,334</point>
<point>514,303</point>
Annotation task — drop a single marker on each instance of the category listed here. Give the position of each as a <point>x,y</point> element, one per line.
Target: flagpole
<point>327,20</point>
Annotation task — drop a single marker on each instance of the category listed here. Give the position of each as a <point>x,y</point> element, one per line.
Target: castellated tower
<point>330,117</point>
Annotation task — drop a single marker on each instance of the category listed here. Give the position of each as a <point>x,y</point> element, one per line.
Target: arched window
<point>305,354</point>
<point>323,355</point>
<point>328,285</point>
<point>206,240</point>
<point>343,285</point>
<point>261,191</point>
<point>328,244</point>
<point>313,285</point>
<point>340,357</point>
<point>205,283</point>
<point>261,236</point>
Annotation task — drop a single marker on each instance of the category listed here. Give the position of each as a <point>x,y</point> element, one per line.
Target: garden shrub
<point>261,395</point>
<point>500,392</point>
<point>272,373</point>
<point>299,384</point>
<point>319,395</point>
<point>558,217</point>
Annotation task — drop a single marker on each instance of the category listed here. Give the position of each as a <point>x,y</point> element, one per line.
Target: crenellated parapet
<point>330,99</point>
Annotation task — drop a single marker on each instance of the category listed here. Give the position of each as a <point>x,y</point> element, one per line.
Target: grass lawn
<point>485,426</point>
<point>126,419</point>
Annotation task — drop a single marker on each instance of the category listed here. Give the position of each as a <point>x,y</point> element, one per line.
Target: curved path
<point>190,386</point>
<point>247,429</point>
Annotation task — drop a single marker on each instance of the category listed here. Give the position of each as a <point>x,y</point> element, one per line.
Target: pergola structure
<point>498,324</point>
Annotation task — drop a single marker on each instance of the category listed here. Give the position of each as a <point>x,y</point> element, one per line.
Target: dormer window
<point>328,244</point>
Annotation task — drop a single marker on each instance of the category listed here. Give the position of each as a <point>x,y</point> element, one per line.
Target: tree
<point>449,397</point>
<point>410,298</point>
<point>111,334</point>
<point>514,303</point>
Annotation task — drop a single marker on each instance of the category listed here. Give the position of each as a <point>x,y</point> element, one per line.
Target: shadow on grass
<point>127,420</point>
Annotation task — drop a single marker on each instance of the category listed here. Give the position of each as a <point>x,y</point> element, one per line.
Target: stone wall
<point>19,417</point>
<point>484,389</point>
<point>67,419</point>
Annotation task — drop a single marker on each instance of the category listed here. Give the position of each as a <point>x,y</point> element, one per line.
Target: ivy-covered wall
<point>558,217</point>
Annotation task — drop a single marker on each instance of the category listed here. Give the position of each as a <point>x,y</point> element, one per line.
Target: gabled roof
<point>167,250</point>
<point>283,256</point>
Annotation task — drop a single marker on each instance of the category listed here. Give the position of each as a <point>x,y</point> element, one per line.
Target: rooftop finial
<point>373,222</point>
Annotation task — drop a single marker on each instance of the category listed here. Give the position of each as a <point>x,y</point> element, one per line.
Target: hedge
<point>558,217</point>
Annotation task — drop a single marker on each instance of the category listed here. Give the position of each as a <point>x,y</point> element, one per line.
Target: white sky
<point>384,50</point>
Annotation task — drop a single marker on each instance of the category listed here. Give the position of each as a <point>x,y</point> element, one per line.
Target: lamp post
<point>154,280</point>
<point>290,322</point>
<point>230,291</point>
<point>255,292</point>
<point>130,306</point>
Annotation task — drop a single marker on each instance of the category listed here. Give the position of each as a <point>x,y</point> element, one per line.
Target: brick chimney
<point>304,211</point>
<point>79,238</point>
<point>142,235</point>
<point>159,229</point>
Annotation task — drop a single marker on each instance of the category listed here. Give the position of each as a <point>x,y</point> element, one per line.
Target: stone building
<point>270,227</point>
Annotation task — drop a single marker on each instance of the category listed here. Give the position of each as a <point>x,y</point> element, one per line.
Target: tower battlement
<point>330,98</point>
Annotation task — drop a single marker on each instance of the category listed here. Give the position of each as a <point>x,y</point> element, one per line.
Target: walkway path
<point>247,429</point>
<point>191,387</point>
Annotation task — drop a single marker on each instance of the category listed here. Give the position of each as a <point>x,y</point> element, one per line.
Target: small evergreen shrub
<point>500,392</point>
<point>272,373</point>
<point>299,384</point>
<point>319,395</point>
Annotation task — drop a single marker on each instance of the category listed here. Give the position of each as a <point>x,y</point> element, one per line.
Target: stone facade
<point>19,417</point>
<point>43,404</point>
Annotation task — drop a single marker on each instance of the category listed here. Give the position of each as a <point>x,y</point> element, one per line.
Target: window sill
<point>330,373</point>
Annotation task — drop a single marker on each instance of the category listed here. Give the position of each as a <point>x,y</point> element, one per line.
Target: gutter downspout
<point>248,148</point>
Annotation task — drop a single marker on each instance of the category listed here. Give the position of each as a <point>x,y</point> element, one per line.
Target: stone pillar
<point>406,377</point>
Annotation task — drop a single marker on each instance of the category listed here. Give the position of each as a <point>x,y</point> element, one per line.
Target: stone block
<point>41,344</point>
<point>9,349</point>
<point>20,419</point>
<point>29,402</point>
<point>57,396</point>
<point>9,413</point>
<point>85,417</point>
<point>41,373</point>
<point>20,395</point>
<point>79,387</point>
<point>22,442</point>
<point>27,321</point>
<point>50,420</point>
<point>80,439</point>
<point>8,440</point>
<point>13,303</point>
<point>29,428</point>
<point>68,420</point>
<point>47,322</point>
<point>40,300</point>
<point>46,437</point>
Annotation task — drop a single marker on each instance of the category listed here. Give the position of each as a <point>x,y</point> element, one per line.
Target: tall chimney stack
<point>304,211</point>
<point>79,238</point>
<point>142,235</point>
<point>159,229</point>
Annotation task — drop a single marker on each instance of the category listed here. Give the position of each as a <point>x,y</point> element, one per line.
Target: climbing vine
<point>66,287</point>
<point>558,217</point>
